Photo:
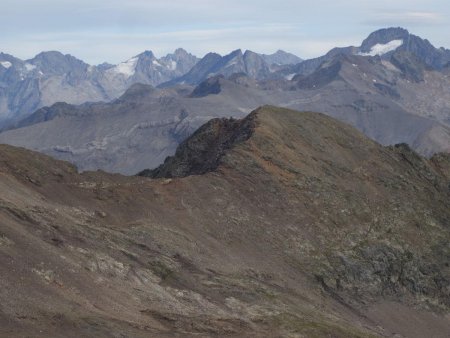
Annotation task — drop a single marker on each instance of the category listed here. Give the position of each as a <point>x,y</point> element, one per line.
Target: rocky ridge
<point>302,227</point>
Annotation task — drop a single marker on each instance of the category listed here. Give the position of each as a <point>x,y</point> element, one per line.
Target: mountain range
<point>52,77</point>
<point>254,65</point>
<point>383,43</point>
<point>399,94</point>
<point>281,224</point>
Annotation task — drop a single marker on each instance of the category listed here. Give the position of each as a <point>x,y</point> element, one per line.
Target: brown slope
<point>305,227</point>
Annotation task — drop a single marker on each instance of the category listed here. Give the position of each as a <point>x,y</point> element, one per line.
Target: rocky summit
<point>297,226</point>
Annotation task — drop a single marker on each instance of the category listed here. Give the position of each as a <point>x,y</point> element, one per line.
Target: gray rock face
<point>56,63</point>
<point>153,71</point>
<point>202,151</point>
<point>248,63</point>
<point>424,51</point>
<point>281,57</point>
<point>383,36</point>
<point>200,71</point>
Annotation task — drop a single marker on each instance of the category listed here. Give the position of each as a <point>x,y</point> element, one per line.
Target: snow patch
<point>126,68</point>
<point>173,65</point>
<point>156,63</point>
<point>29,67</point>
<point>290,76</point>
<point>244,110</point>
<point>381,49</point>
<point>6,64</point>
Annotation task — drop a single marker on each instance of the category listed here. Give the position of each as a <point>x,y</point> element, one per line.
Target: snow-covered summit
<point>381,49</point>
<point>126,68</point>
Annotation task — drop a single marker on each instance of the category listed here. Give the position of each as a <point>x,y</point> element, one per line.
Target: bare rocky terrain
<point>298,226</point>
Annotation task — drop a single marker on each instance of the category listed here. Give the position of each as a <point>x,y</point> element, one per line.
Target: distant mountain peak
<point>387,40</point>
<point>55,62</point>
<point>280,57</point>
<point>249,52</point>
<point>237,52</point>
<point>147,54</point>
<point>384,37</point>
<point>54,57</point>
<point>49,53</point>
<point>180,52</point>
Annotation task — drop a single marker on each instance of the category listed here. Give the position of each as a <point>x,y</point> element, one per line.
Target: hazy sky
<point>113,31</point>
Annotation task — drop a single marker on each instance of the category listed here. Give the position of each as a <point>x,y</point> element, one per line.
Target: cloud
<point>406,18</point>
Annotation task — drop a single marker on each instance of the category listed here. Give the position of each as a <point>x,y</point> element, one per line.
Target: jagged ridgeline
<point>282,224</point>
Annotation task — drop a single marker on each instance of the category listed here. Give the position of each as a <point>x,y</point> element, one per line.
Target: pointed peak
<point>236,52</point>
<point>280,52</point>
<point>146,54</point>
<point>280,57</point>
<point>384,36</point>
<point>180,51</point>
<point>249,52</point>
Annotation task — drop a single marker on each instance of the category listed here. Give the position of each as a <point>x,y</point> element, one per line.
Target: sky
<point>113,31</point>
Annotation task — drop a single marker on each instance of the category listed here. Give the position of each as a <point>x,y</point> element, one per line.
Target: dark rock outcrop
<point>202,152</point>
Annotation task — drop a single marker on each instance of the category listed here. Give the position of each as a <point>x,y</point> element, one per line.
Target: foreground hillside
<point>283,224</point>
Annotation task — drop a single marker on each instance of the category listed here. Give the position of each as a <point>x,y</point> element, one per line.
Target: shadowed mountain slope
<point>301,227</point>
